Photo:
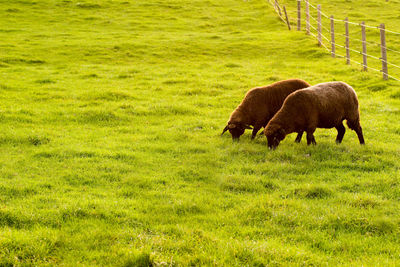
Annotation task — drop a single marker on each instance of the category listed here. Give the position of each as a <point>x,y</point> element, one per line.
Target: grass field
<point>110,117</point>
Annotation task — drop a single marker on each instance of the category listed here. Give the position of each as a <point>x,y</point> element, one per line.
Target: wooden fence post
<point>307,18</point>
<point>319,25</point>
<point>364,45</point>
<point>298,15</point>
<point>287,19</point>
<point>346,24</point>
<point>383,52</point>
<point>279,9</point>
<point>333,36</point>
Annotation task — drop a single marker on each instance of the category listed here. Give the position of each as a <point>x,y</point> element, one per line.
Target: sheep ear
<point>225,129</point>
<point>231,126</point>
<point>248,127</point>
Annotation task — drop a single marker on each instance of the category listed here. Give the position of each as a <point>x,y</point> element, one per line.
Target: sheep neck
<point>284,119</point>
<point>240,115</point>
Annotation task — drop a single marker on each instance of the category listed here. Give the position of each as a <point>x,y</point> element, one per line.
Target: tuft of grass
<point>98,117</point>
<point>45,81</point>
<point>361,201</point>
<point>107,96</point>
<point>312,192</point>
<point>232,65</point>
<point>85,5</point>
<point>395,95</point>
<point>38,140</point>
<point>16,60</point>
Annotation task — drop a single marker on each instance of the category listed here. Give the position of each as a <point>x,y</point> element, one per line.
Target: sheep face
<point>236,130</point>
<point>274,136</point>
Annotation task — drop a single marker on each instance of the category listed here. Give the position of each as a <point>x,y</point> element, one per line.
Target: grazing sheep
<point>260,105</point>
<point>324,105</point>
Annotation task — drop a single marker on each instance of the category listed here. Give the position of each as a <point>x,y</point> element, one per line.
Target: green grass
<point>110,116</point>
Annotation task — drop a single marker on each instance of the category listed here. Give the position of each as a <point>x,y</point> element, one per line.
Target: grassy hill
<point>110,117</point>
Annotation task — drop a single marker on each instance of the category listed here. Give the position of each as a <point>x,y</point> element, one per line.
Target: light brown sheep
<point>324,105</point>
<point>260,105</point>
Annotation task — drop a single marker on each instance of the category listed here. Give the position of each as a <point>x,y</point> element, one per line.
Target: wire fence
<point>316,22</point>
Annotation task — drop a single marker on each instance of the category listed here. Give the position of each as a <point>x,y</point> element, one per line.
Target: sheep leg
<point>341,130</point>
<point>298,138</point>
<point>360,135</point>
<point>255,130</point>
<point>310,138</point>
<point>313,140</point>
<point>357,128</point>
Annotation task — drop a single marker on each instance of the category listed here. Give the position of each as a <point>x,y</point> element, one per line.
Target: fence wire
<point>321,37</point>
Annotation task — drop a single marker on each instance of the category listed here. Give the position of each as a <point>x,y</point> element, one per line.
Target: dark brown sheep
<point>324,105</point>
<point>260,105</point>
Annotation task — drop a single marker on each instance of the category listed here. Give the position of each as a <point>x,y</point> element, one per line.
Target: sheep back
<point>324,105</point>
<point>261,103</point>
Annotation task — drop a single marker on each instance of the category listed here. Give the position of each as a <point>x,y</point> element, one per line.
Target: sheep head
<point>275,134</point>
<point>236,129</point>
